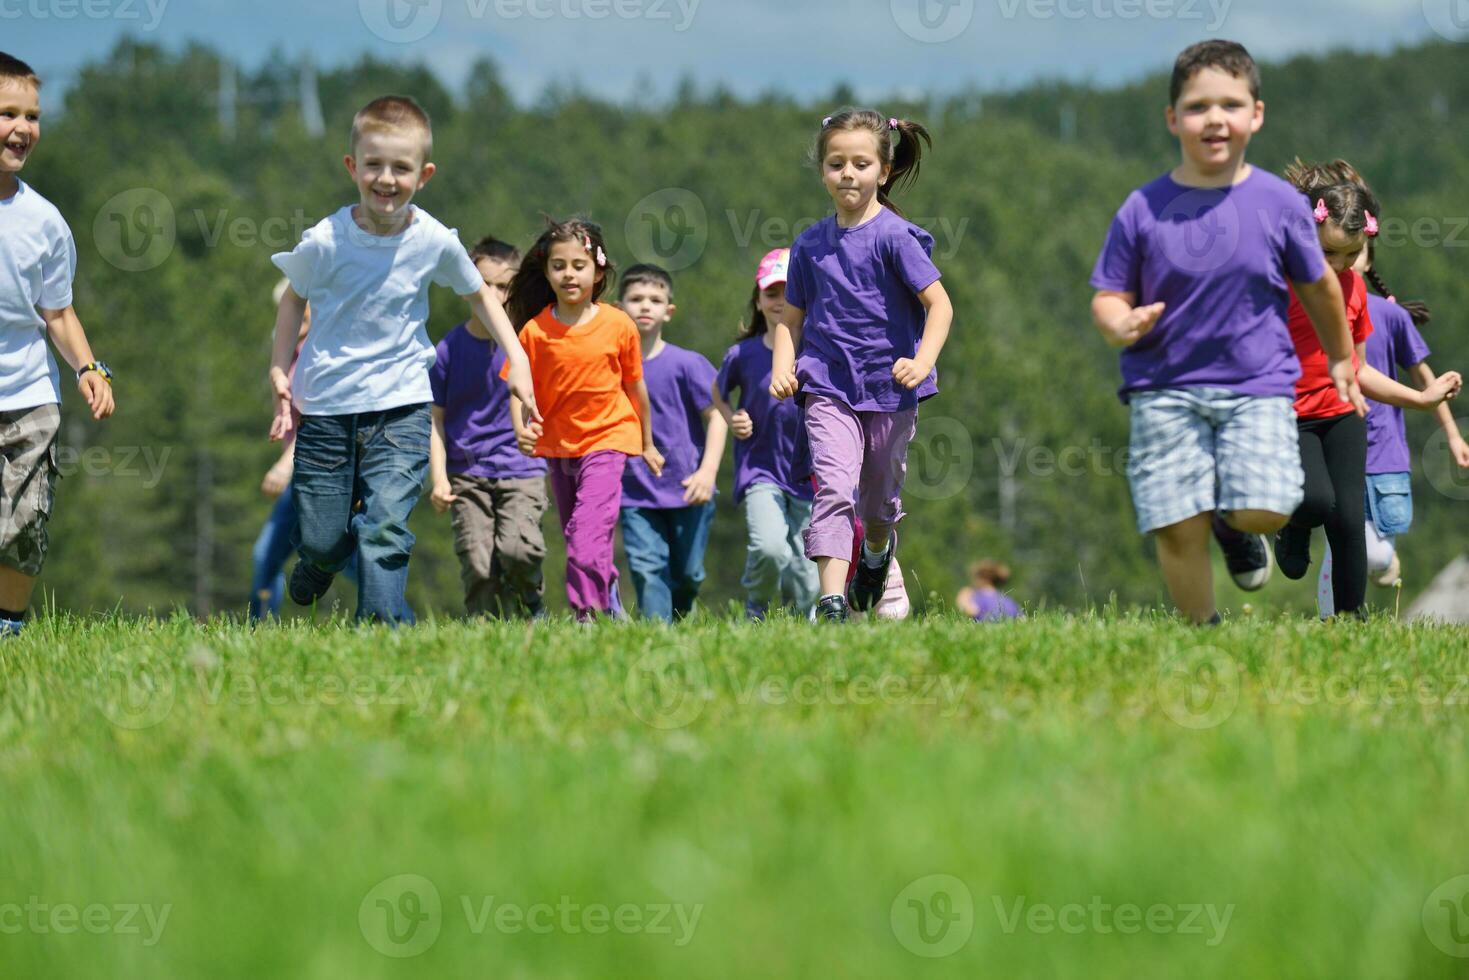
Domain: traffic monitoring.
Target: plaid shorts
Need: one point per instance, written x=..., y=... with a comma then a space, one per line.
x=27, y=485
x=1195, y=450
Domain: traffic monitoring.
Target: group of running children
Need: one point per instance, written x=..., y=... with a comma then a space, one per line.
x=1237, y=298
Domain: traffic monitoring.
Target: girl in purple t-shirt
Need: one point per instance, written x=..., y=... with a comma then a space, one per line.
x=864, y=321
x=983, y=600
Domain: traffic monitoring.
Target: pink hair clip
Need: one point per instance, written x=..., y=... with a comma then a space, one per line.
x=892, y=122
x=601, y=257
x=1371, y=229
x=1321, y=214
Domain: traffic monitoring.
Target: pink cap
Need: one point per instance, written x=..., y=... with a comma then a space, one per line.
x=773, y=267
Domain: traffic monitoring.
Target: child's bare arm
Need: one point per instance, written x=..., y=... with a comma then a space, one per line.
x=1379, y=387
x=441, y=495
x=70, y=340
x=278, y=477
x=1118, y=321
x=288, y=317
x=911, y=371
x=786, y=342
x=1323, y=302
x=699, y=486
x=491, y=322
x=1458, y=447
x=739, y=422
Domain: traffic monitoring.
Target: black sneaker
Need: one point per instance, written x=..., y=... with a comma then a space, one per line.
x=867, y=586
x=1293, y=551
x=1247, y=556
x=308, y=583
x=831, y=609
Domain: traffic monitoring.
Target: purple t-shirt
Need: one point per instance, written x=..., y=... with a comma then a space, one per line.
x=778, y=452
x=989, y=607
x=1220, y=259
x=680, y=382
x=859, y=289
x=479, y=439
x=1395, y=342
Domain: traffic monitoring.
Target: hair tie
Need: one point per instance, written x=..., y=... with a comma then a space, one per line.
x=1321, y=214
x=826, y=122
x=1371, y=229
x=892, y=122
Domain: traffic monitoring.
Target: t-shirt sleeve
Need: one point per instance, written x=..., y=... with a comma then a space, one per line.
x=305, y=265
x=58, y=270
x=455, y=269
x=699, y=376
x=1304, y=260
x=438, y=373
x=630, y=354
x=798, y=276
x=1357, y=310
x=911, y=249
x=728, y=375
x=1119, y=265
x=1413, y=349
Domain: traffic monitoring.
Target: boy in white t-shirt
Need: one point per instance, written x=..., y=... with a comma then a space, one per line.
x=361, y=385
x=37, y=265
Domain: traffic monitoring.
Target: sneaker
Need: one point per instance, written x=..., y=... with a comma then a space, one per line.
x=832, y=609
x=308, y=583
x=11, y=627
x=1393, y=575
x=1247, y=556
x=894, y=603
x=868, y=584
x=1293, y=551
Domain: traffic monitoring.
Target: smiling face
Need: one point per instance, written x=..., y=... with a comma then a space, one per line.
x=852, y=169
x=1214, y=118
x=649, y=305
x=571, y=273
x=388, y=168
x=20, y=125
x=1342, y=250
x=772, y=302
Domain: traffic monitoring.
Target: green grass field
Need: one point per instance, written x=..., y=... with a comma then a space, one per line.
x=1063, y=797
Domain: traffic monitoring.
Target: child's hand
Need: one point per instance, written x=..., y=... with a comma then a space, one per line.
x=522, y=388
x=654, y=459
x=282, y=423
x=441, y=496
x=910, y=373
x=1459, y=449
x=1445, y=386
x=783, y=384
x=1133, y=327
x=98, y=393
x=277, y=478
x=698, y=487
x=528, y=435
x=1345, y=379
x=741, y=424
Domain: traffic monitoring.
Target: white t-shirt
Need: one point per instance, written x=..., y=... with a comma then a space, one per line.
x=368, y=348
x=38, y=260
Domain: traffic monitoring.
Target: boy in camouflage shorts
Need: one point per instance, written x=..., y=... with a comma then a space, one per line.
x=37, y=265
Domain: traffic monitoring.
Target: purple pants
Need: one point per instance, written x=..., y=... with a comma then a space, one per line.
x=859, y=459
x=588, y=491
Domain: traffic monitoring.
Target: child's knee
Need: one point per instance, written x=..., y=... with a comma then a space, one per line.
x=1256, y=521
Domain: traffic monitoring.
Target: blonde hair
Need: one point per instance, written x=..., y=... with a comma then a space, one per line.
x=393, y=114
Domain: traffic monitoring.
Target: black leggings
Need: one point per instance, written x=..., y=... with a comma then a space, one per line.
x=1334, y=455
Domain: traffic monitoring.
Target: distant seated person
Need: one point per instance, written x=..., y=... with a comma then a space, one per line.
x=983, y=599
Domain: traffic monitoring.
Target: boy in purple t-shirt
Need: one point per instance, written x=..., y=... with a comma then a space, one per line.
x=666, y=518
x=497, y=494
x=1193, y=283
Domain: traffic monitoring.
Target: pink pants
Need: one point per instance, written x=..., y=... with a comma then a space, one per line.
x=859, y=461
x=588, y=492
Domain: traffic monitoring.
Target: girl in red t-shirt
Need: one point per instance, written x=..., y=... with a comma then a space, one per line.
x=1333, y=434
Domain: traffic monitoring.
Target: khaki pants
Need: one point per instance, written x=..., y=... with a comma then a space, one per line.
x=498, y=538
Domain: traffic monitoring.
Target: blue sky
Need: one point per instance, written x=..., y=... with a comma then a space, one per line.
x=800, y=46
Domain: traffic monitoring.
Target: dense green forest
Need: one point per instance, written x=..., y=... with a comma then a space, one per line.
x=176, y=212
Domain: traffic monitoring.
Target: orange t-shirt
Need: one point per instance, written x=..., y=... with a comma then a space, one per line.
x=578, y=373
x=1316, y=396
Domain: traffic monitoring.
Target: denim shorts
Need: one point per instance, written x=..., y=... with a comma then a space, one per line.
x=1195, y=450
x=1390, y=502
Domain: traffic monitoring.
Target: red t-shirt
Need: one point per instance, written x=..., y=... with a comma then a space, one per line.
x=1315, y=394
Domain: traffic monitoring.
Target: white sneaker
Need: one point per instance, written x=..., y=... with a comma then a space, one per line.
x=894, y=602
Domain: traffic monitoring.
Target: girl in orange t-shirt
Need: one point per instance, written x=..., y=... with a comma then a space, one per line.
x=587, y=368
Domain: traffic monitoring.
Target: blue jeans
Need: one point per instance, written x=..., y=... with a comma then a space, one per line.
x=380, y=459
x=665, y=553
x=776, y=567
x=280, y=536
